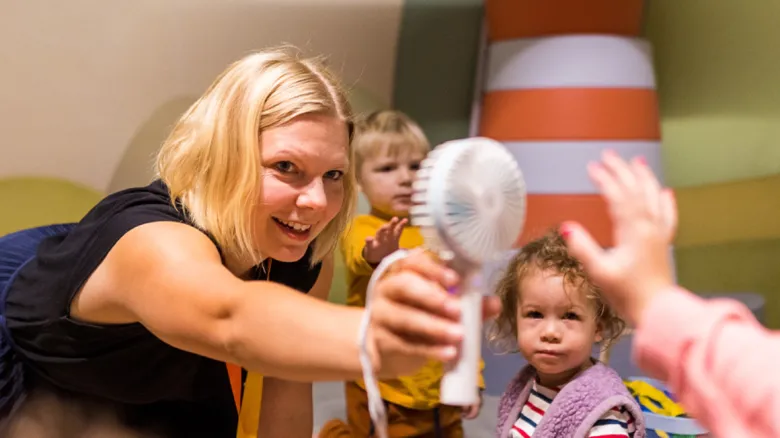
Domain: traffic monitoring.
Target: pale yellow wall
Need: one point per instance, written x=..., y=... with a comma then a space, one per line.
x=88, y=88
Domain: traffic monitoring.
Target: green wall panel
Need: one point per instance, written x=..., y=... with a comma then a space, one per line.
x=436, y=64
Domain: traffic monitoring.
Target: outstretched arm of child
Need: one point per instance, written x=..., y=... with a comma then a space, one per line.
x=713, y=354
x=716, y=356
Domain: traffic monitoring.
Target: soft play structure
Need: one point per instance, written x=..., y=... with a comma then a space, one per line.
x=560, y=85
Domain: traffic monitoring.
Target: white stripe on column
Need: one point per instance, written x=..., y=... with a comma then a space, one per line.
x=570, y=61
x=559, y=167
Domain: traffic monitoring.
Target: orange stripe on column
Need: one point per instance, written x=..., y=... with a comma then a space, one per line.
x=546, y=211
x=508, y=19
x=571, y=114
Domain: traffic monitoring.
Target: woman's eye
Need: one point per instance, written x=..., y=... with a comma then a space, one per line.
x=284, y=167
x=334, y=175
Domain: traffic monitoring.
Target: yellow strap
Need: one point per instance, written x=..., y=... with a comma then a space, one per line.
x=249, y=415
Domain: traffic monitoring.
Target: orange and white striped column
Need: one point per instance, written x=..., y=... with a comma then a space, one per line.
x=562, y=81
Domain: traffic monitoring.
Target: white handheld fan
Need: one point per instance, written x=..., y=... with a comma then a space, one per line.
x=470, y=206
x=469, y=202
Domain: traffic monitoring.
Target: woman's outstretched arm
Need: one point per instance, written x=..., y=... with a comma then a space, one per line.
x=288, y=406
x=169, y=277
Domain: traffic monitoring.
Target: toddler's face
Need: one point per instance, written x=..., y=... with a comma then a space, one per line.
x=556, y=327
x=386, y=180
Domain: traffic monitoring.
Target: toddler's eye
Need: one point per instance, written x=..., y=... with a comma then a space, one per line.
x=533, y=314
x=571, y=315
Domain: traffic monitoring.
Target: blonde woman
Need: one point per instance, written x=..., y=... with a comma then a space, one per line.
x=140, y=304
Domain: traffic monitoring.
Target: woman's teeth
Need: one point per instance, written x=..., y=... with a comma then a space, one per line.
x=294, y=225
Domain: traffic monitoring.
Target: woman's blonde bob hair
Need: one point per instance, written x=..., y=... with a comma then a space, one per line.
x=211, y=159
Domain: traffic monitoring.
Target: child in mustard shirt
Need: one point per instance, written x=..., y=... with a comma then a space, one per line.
x=388, y=148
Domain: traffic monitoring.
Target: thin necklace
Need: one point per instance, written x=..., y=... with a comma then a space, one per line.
x=267, y=271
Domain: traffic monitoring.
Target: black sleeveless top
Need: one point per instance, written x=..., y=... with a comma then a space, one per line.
x=154, y=387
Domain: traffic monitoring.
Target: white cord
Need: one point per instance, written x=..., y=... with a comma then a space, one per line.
x=376, y=407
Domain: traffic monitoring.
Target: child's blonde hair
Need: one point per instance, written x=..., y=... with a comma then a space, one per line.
x=548, y=253
x=211, y=159
x=387, y=131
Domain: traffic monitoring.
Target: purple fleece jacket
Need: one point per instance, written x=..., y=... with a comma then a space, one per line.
x=575, y=409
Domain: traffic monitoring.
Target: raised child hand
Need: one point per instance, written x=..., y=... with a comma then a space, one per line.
x=385, y=242
x=644, y=218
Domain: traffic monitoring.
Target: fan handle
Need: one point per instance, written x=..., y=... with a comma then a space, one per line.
x=459, y=385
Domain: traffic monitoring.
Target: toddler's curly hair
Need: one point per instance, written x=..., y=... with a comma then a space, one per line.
x=548, y=253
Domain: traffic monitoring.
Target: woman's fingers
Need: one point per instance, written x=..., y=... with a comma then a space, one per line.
x=424, y=264
x=414, y=290
x=423, y=333
x=400, y=346
x=419, y=326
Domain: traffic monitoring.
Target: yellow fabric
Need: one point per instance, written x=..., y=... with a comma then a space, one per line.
x=653, y=399
x=418, y=391
x=249, y=415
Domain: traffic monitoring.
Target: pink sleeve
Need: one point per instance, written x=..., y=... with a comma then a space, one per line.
x=721, y=363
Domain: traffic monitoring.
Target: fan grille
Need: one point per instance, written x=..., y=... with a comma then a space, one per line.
x=470, y=199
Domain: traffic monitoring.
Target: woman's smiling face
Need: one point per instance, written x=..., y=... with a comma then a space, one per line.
x=302, y=187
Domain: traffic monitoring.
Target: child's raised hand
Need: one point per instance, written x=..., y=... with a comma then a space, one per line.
x=644, y=217
x=385, y=241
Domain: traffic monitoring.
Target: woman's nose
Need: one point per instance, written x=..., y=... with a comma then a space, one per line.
x=313, y=196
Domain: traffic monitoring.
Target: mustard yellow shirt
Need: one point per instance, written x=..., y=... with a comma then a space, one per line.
x=418, y=391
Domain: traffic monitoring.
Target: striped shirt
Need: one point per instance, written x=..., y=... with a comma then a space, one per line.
x=615, y=423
